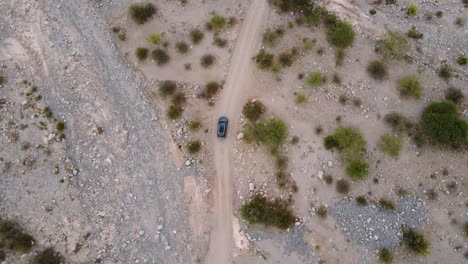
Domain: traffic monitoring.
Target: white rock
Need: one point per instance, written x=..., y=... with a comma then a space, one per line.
x=330, y=163
x=188, y=163
x=251, y=187
x=240, y=135
x=320, y=174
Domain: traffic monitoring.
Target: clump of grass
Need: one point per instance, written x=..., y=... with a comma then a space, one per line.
x=154, y=39
x=294, y=140
x=315, y=79
x=270, y=37
x=211, y=88
x=377, y=70
x=13, y=237
x=415, y=241
x=339, y=57
x=174, y=111
x=461, y=60
x=322, y=212
x=414, y=33
x=141, y=53
x=264, y=59
x=179, y=99
x=286, y=59
x=301, y=98
x=194, y=125
x=141, y=13
x=60, y=126
x=220, y=42
x=387, y=204
x=196, y=36
x=372, y=11
x=218, y=21
x=269, y=213
x=340, y=34
x=409, y=86
x=276, y=69
x=308, y=44
x=48, y=256
x=441, y=123
x=393, y=46
x=182, y=47
x=397, y=122
x=328, y=179
x=2, y=79
x=391, y=145
x=342, y=186
x=160, y=56
x=455, y=95
x=361, y=200
x=385, y=256
x=412, y=10
x=439, y=14
x=343, y=99
x=357, y=169
x=445, y=71
x=271, y=132
x=167, y=88
x=460, y=21
x=122, y=36
x=348, y=141
x=193, y=147
x=253, y=110
x=207, y=60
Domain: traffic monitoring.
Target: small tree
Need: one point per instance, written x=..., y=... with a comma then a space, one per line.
x=340, y=34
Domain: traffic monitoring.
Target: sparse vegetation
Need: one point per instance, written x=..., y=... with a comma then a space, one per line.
x=328, y=179
x=141, y=13
x=377, y=70
x=348, y=141
x=342, y=186
x=141, y=53
x=154, y=39
x=211, y=88
x=414, y=33
x=461, y=60
x=385, y=256
x=415, y=241
x=270, y=37
x=361, y=200
x=315, y=79
x=218, y=21
x=442, y=124
x=393, y=46
x=271, y=132
x=220, y=42
x=445, y=71
x=253, y=110
x=194, y=125
x=167, y=88
x=387, y=204
x=196, y=36
x=339, y=57
x=122, y=36
x=397, y=122
x=174, y=111
x=455, y=95
x=301, y=98
x=193, y=147
x=340, y=34
x=409, y=86
x=182, y=47
x=269, y=213
x=286, y=59
x=13, y=238
x=460, y=21
x=322, y=211
x=207, y=60
x=48, y=256
x=391, y=145
x=160, y=56
x=264, y=60
x=412, y=10
x=2, y=79
x=60, y=126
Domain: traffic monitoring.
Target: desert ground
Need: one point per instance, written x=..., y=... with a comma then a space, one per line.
x=108, y=127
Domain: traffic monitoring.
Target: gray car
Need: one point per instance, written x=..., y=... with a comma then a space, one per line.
x=222, y=127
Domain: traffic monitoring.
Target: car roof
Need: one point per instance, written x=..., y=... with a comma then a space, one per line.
x=223, y=118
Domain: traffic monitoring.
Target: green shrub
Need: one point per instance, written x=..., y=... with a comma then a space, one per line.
x=270, y=37
x=397, y=122
x=196, y=36
x=308, y=44
x=48, y=256
x=385, y=256
x=415, y=241
x=409, y=86
x=301, y=98
x=220, y=42
x=295, y=140
x=377, y=70
x=276, y=69
x=361, y=200
x=264, y=60
x=211, y=88
x=253, y=110
x=391, y=145
x=439, y=14
x=322, y=211
x=387, y=204
x=460, y=21
x=455, y=95
x=218, y=21
x=154, y=39
x=286, y=59
x=207, y=60
x=372, y=11
x=328, y=179
x=174, y=111
x=462, y=60
x=348, y=141
x=342, y=186
x=122, y=36
x=414, y=33
x=393, y=46
x=412, y=10
x=272, y=132
x=167, y=88
x=193, y=147
x=12, y=237
x=141, y=13
x=340, y=34
x=445, y=71
x=357, y=170
x=182, y=47
x=269, y=213
x=293, y=5
x=442, y=123
x=179, y=99
x=194, y=125
x=160, y=56
x=315, y=79
x=60, y=126
x=141, y=53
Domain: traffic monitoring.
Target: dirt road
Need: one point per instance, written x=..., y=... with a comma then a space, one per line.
x=230, y=104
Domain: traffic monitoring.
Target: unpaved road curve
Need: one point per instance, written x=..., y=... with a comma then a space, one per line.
x=238, y=81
